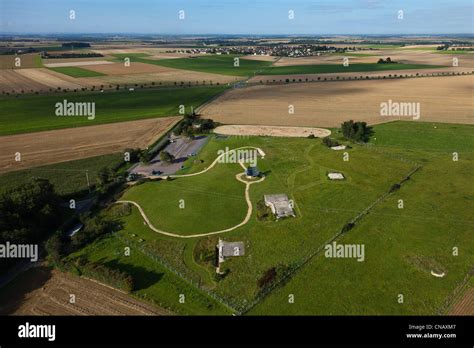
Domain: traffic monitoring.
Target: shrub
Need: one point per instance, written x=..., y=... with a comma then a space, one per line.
x=330, y=142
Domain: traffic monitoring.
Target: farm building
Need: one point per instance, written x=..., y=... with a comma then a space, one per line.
x=280, y=205
x=335, y=176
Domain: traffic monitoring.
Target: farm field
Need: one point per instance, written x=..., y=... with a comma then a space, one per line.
x=57, y=62
x=401, y=56
x=61, y=145
x=415, y=240
x=68, y=178
x=328, y=104
x=42, y=291
x=293, y=166
x=380, y=75
x=121, y=69
x=37, y=113
x=217, y=64
x=74, y=71
x=30, y=60
x=339, y=68
x=465, y=304
x=168, y=77
x=34, y=80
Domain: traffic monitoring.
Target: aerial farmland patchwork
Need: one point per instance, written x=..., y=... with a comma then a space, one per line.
x=237, y=173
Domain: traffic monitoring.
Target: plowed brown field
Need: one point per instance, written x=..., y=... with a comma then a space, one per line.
x=45, y=292
x=62, y=145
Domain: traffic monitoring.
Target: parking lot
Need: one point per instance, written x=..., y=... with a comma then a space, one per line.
x=181, y=148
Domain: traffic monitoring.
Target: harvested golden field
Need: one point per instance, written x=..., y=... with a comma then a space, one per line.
x=62, y=145
x=30, y=60
x=73, y=60
x=42, y=291
x=12, y=80
x=465, y=305
x=168, y=76
x=260, y=57
x=77, y=63
x=121, y=69
x=401, y=56
x=327, y=104
x=354, y=75
x=38, y=80
x=323, y=59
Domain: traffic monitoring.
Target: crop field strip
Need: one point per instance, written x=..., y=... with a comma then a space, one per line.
x=37, y=113
x=74, y=71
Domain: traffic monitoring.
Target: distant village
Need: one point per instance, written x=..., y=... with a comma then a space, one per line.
x=273, y=50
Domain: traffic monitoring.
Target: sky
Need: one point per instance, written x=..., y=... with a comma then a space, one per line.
x=264, y=17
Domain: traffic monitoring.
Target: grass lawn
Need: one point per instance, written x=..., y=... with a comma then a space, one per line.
x=400, y=244
x=431, y=137
x=339, y=68
x=37, y=113
x=68, y=178
x=198, y=198
x=77, y=72
x=216, y=64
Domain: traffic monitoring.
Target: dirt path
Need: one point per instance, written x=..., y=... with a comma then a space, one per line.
x=238, y=177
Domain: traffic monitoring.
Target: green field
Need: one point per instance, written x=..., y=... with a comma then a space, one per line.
x=74, y=71
x=37, y=113
x=68, y=178
x=402, y=245
x=130, y=55
x=399, y=243
x=216, y=64
x=339, y=68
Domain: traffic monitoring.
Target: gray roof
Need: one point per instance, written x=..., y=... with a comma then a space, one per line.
x=280, y=205
x=233, y=249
